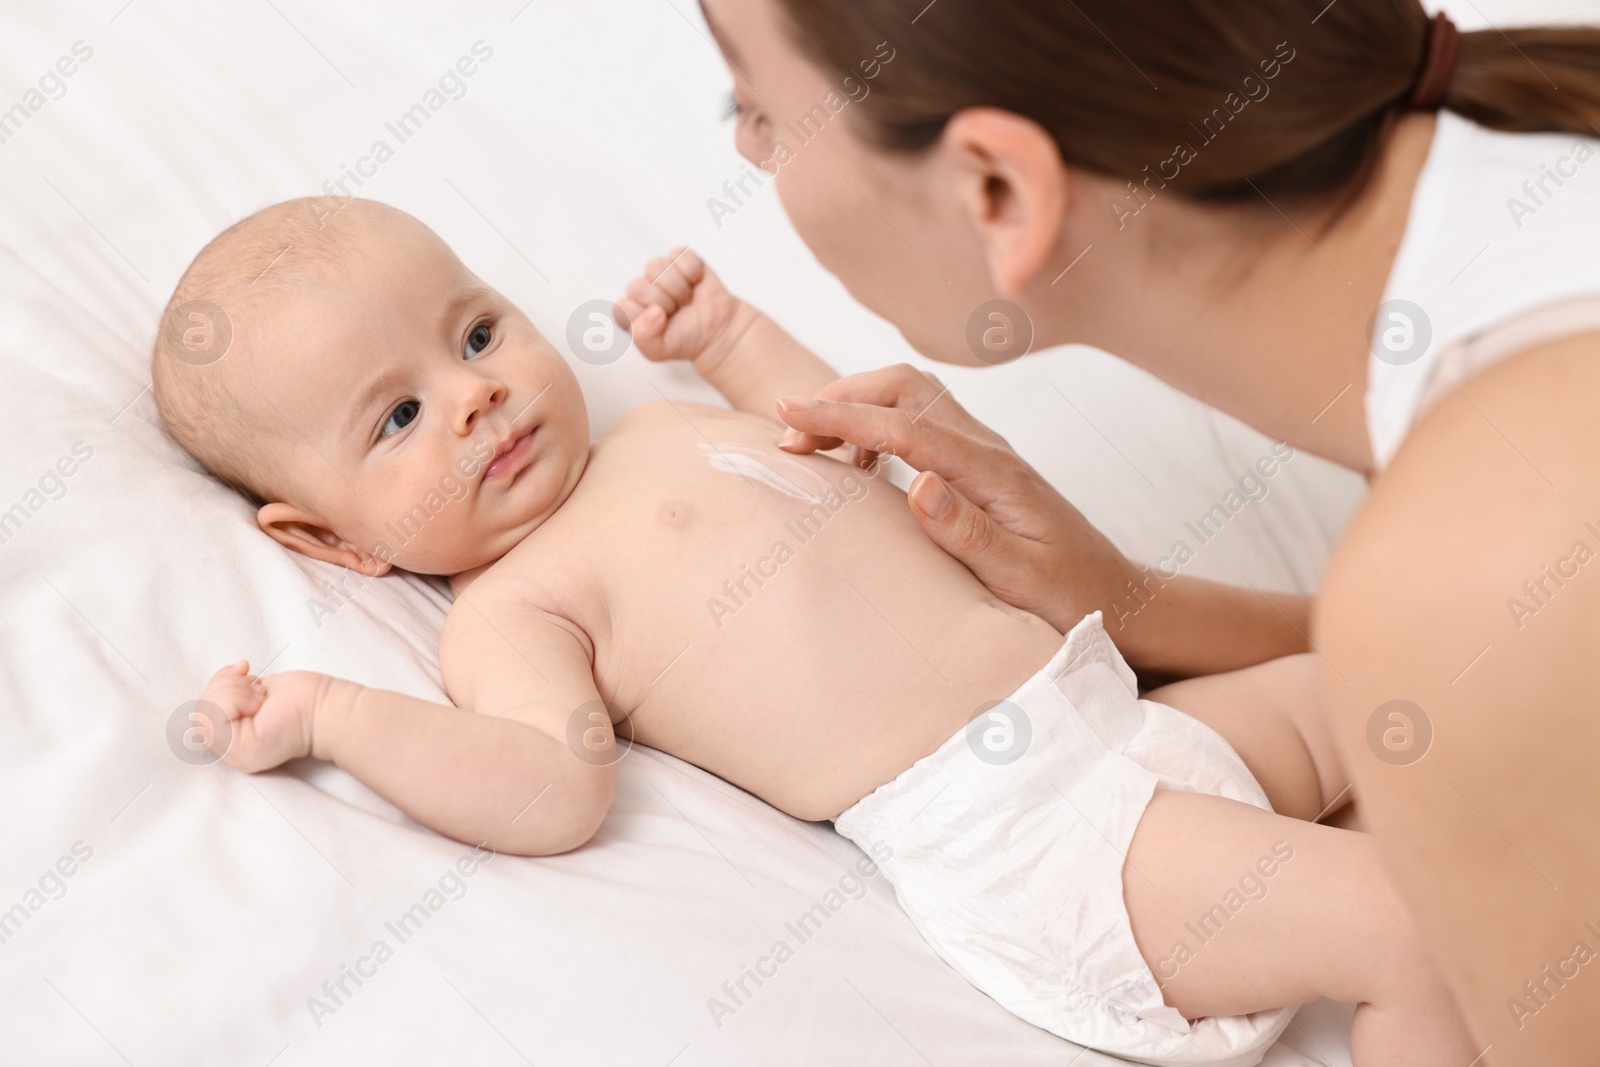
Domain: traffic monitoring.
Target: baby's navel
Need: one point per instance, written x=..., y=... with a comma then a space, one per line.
x=774, y=471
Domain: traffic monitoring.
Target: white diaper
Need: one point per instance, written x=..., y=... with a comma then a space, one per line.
x=1008, y=851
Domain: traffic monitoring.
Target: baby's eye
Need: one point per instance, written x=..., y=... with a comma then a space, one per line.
x=478, y=339
x=403, y=415
x=731, y=108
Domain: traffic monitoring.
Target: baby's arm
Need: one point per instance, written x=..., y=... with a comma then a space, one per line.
x=679, y=310
x=496, y=769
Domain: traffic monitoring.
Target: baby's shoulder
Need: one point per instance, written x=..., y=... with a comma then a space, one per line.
x=502, y=622
x=515, y=585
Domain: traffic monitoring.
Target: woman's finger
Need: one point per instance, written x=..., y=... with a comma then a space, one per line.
x=793, y=440
x=865, y=458
x=901, y=385
x=868, y=425
x=924, y=444
x=965, y=531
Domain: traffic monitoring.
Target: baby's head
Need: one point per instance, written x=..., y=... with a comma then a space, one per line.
x=334, y=360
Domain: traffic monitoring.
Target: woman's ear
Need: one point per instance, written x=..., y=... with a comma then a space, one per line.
x=308, y=535
x=1014, y=189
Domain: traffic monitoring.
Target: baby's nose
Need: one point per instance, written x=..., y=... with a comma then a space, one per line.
x=479, y=399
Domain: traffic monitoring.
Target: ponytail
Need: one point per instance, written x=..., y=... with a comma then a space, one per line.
x=1222, y=101
x=1537, y=79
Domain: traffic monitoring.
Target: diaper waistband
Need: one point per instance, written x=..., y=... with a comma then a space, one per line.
x=1085, y=684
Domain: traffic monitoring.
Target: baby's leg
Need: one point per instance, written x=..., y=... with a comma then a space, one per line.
x=1238, y=910
x=1275, y=716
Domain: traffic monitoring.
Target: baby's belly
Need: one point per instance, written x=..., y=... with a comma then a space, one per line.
x=806, y=650
x=813, y=710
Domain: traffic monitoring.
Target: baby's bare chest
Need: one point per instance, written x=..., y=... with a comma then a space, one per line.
x=684, y=506
x=752, y=611
x=690, y=523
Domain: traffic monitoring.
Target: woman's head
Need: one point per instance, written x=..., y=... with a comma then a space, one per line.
x=985, y=145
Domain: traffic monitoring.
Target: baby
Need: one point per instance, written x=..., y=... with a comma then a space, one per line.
x=1106, y=867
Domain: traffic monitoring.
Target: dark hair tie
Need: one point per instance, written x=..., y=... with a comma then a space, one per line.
x=1444, y=42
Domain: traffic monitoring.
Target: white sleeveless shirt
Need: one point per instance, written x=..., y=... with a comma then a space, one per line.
x=1501, y=253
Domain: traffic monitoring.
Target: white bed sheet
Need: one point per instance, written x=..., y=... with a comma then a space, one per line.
x=205, y=908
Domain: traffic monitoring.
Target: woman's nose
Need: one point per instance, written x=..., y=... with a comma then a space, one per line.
x=479, y=396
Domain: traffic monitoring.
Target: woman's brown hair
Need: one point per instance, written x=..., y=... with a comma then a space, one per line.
x=1286, y=99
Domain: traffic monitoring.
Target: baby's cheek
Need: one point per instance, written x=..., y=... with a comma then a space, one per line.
x=394, y=528
x=427, y=540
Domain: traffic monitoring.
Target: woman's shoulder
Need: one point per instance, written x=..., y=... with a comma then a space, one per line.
x=1499, y=221
x=1497, y=257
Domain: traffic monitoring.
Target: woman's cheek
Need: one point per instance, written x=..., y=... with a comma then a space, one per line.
x=839, y=227
x=752, y=144
x=853, y=242
x=868, y=226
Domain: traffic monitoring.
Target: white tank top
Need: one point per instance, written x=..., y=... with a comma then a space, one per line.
x=1501, y=253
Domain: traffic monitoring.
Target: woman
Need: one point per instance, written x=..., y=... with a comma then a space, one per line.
x=1287, y=213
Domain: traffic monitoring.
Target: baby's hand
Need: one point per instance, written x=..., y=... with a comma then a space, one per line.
x=679, y=309
x=269, y=720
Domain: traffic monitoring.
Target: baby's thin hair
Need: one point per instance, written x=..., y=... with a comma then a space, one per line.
x=212, y=330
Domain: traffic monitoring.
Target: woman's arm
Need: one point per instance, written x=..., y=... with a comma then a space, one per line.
x=982, y=503
x=1193, y=626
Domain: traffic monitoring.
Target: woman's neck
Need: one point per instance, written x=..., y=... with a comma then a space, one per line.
x=1260, y=310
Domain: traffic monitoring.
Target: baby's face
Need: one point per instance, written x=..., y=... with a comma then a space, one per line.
x=428, y=423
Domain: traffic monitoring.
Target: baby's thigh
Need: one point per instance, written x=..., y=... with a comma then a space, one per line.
x=1275, y=715
x=1237, y=910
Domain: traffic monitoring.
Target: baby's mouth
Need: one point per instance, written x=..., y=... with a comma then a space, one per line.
x=511, y=457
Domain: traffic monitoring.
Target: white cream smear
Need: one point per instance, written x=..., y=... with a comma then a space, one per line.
x=786, y=475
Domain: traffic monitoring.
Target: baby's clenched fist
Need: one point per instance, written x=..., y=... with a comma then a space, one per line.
x=269, y=720
x=678, y=309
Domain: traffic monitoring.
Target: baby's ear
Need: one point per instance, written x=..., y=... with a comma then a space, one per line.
x=305, y=533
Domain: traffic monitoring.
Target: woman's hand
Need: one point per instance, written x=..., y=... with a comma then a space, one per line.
x=980, y=502
x=976, y=498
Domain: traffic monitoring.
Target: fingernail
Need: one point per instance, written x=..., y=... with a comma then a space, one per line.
x=931, y=496
x=804, y=403
x=790, y=437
